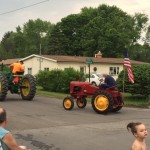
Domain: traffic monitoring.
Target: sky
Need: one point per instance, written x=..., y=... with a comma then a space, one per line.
x=15, y=13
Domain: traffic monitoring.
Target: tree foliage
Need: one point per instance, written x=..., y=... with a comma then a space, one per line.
x=106, y=28
x=26, y=41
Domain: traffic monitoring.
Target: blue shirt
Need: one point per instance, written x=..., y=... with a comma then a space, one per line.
x=3, y=132
x=110, y=81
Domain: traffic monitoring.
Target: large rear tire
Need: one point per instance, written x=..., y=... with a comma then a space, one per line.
x=117, y=108
x=102, y=102
x=28, y=87
x=3, y=87
x=120, y=102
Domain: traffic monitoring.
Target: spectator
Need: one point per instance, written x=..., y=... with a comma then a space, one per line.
x=7, y=141
x=140, y=133
x=108, y=81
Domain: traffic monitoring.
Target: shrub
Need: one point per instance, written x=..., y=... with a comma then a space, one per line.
x=141, y=79
x=71, y=75
x=58, y=80
x=50, y=80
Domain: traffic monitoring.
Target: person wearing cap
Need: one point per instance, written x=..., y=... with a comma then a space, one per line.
x=109, y=82
x=7, y=141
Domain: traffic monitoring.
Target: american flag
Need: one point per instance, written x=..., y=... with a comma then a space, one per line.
x=128, y=65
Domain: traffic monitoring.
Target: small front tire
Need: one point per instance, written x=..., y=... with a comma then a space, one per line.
x=81, y=102
x=68, y=103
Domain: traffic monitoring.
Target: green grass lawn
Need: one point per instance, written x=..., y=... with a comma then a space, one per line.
x=129, y=100
x=136, y=101
x=51, y=94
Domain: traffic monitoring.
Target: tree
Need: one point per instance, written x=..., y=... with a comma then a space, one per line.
x=33, y=31
x=107, y=29
x=26, y=41
x=111, y=30
x=8, y=45
x=67, y=35
x=55, y=41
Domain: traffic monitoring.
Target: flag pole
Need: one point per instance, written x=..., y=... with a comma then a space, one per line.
x=123, y=81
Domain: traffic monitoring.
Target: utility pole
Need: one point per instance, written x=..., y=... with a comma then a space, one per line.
x=40, y=60
x=42, y=34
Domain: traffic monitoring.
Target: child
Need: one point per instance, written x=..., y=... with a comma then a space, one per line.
x=139, y=131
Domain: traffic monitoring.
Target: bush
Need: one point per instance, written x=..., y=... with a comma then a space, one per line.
x=141, y=79
x=58, y=80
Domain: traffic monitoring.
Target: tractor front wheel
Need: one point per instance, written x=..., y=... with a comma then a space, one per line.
x=81, y=102
x=3, y=87
x=102, y=102
x=28, y=87
x=68, y=103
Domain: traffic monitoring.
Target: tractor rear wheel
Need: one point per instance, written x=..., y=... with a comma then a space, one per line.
x=68, y=103
x=102, y=102
x=28, y=87
x=3, y=87
x=81, y=102
x=120, y=102
x=117, y=108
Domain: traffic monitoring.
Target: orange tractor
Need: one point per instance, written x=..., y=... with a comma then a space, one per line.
x=103, y=100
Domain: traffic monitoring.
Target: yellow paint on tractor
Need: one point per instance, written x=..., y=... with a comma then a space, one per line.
x=25, y=91
x=67, y=103
x=101, y=102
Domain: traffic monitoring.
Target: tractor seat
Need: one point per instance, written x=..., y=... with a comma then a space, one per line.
x=19, y=72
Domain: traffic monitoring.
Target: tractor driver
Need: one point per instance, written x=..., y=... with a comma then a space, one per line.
x=108, y=81
x=17, y=67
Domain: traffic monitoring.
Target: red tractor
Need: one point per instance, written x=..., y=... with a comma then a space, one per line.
x=103, y=100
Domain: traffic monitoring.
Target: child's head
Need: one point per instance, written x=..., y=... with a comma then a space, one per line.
x=138, y=129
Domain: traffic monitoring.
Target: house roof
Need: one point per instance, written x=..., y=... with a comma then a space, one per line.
x=77, y=59
x=9, y=61
x=81, y=59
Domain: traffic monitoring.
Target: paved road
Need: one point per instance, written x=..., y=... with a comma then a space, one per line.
x=43, y=124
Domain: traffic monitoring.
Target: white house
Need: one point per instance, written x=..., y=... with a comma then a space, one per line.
x=34, y=63
x=113, y=66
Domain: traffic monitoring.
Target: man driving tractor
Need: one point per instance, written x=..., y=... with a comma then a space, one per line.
x=17, y=69
x=108, y=81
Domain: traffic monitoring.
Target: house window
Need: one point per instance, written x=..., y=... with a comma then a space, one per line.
x=82, y=69
x=114, y=71
x=46, y=69
x=29, y=70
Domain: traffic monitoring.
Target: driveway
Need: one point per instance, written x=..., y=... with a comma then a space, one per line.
x=43, y=124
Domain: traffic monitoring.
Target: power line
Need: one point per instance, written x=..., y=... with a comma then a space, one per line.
x=23, y=7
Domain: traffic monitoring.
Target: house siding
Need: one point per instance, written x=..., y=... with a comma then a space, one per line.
x=50, y=62
x=34, y=63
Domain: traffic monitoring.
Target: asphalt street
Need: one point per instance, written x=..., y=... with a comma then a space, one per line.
x=43, y=124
